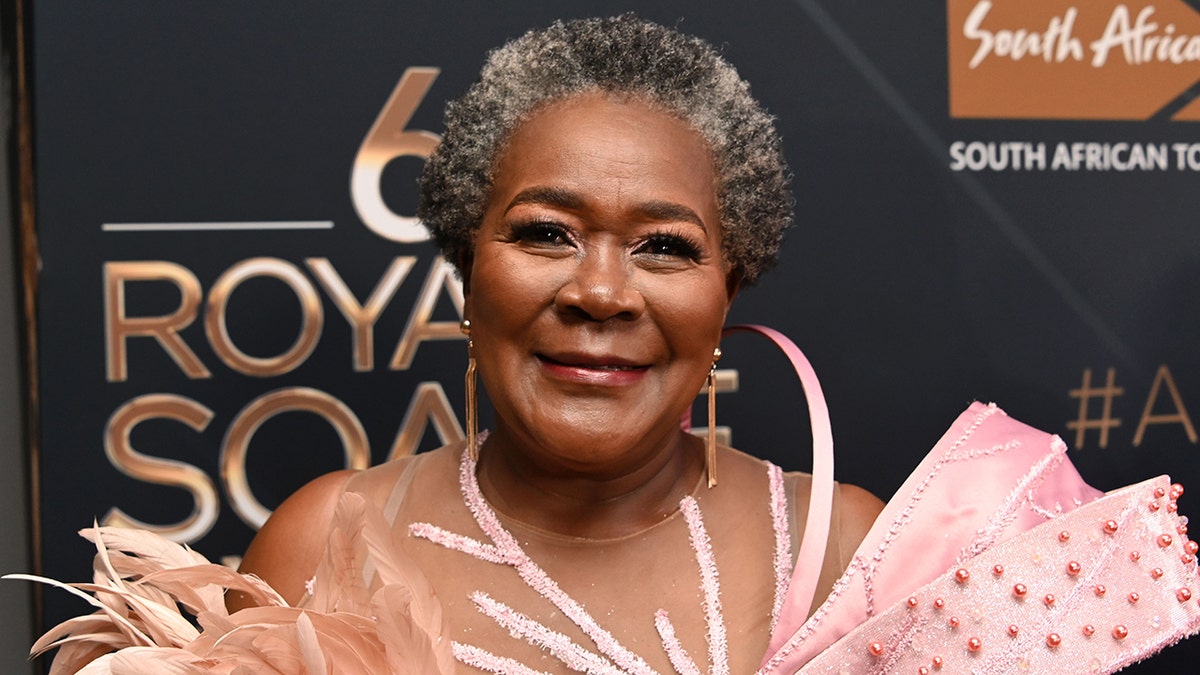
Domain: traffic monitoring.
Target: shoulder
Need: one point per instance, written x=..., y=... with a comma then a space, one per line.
x=403, y=475
x=301, y=513
x=854, y=513
x=287, y=549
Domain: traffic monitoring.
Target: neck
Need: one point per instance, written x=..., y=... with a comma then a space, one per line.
x=592, y=505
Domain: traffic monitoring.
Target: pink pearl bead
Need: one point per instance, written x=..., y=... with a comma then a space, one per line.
x=998, y=569
x=1183, y=594
x=1134, y=596
x=1172, y=507
x=1064, y=536
x=1187, y=558
x=938, y=662
x=1073, y=568
x=1089, y=630
x=1120, y=632
x=912, y=601
x=953, y=622
x=1159, y=492
x=1156, y=573
x=1182, y=529
x=1020, y=590
x=938, y=603
x=923, y=670
x=875, y=649
x=961, y=575
x=1154, y=505
x=1135, y=556
x=1191, y=547
x=1164, y=540
x=1013, y=630
x=1053, y=640
x=1049, y=600
x=1110, y=526
x=974, y=644
x=1176, y=490
x=1100, y=590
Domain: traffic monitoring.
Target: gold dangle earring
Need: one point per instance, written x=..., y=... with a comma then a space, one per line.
x=711, y=448
x=472, y=401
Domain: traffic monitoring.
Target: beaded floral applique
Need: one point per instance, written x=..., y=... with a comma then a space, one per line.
x=610, y=656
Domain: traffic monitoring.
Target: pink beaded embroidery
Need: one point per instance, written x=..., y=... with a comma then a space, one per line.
x=613, y=658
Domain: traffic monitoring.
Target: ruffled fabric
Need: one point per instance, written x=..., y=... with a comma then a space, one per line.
x=996, y=557
x=988, y=479
x=1092, y=591
x=144, y=588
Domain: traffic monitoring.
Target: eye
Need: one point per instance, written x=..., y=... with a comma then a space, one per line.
x=667, y=245
x=540, y=233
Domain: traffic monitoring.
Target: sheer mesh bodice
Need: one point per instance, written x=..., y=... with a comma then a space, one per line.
x=625, y=585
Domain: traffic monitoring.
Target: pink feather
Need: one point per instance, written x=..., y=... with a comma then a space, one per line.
x=140, y=582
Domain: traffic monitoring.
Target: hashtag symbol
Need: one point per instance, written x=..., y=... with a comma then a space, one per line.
x=1085, y=393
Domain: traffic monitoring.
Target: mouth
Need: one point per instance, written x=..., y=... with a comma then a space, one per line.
x=610, y=363
x=592, y=369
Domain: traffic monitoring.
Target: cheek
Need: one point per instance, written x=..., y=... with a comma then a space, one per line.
x=691, y=316
x=508, y=298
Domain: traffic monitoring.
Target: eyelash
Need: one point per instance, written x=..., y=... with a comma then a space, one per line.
x=537, y=232
x=680, y=245
x=676, y=244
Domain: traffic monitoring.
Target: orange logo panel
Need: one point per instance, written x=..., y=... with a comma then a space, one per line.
x=1087, y=59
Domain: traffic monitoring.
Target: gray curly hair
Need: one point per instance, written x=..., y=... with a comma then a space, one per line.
x=627, y=55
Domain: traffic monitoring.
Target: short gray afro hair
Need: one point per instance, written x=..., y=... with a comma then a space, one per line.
x=628, y=56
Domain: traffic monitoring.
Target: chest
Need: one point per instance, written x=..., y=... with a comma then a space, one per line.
x=555, y=604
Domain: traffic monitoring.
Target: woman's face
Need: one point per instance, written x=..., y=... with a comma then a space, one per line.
x=598, y=289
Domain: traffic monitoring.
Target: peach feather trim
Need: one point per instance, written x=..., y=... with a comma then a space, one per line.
x=141, y=581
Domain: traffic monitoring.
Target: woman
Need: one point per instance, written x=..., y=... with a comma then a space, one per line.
x=604, y=190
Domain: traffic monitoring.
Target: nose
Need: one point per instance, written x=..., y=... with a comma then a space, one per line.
x=599, y=288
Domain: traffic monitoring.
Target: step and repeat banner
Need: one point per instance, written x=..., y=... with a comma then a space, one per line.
x=996, y=200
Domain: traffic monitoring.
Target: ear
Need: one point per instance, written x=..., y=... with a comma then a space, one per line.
x=463, y=263
x=733, y=284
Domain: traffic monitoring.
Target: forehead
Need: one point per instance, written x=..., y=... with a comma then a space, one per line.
x=597, y=139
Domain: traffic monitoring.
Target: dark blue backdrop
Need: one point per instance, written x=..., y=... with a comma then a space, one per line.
x=913, y=288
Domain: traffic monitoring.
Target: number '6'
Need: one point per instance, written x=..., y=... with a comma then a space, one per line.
x=387, y=140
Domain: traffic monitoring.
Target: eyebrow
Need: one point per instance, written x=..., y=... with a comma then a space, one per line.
x=547, y=196
x=655, y=209
x=671, y=212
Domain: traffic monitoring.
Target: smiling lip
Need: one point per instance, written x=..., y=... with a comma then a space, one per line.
x=597, y=370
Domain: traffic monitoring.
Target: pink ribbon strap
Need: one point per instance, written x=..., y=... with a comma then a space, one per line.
x=803, y=585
